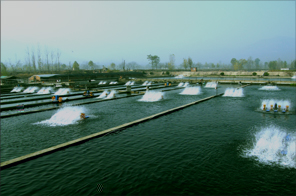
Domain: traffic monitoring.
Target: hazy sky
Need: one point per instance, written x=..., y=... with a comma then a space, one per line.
x=110, y=31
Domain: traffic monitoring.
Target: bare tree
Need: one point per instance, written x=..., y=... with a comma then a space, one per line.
x=52, y=58
x=58, y=58
x=33, y=59
x=39, y=58
x=28, y=58
x=46, y=56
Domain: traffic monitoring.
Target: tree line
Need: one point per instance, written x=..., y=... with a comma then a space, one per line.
x=49, y=61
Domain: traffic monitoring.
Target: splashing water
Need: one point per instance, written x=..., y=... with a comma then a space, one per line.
x=27, y=89
x=234, y=92
x=145, y=83
x=111, y=94
x=113, y=82
x=195, y=90
x=272, y=145
x=151, y=96
x=128, y=83
x=269, y=88
x=63, y=91
x=34, y=89
x=186, y=84
x=211, y=85
x=104, y=94
x=17, y=89
x=294, y=77
x=282, y=103
x=45, y=90
x=180, y=84
x=179, y=76
x=64, y=116
x=107, y=94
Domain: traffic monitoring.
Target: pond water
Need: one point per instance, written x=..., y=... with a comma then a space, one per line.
x=220, y=146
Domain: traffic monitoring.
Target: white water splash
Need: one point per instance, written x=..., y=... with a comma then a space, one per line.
x=181, y=84
x=63, y=91
x=282, y=103
x=211, y=85
x=269, y=88
x=186, y=84
x=151, y=96
x=194, y=90
x=113, y=82
x=17, y=89
x=108, y=94
x=45, y=90
x=179, y=76
x=111, y=94
x=233, y=92
x=270, y=143
x=145, y=83
x=128, y=83
x=294, y=77
x=65, y=116
x=33, y=89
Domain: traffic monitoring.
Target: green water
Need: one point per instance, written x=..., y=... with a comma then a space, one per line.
x=200, y=150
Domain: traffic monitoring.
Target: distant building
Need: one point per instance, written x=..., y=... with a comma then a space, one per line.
x=43, y=77
x=193, y=69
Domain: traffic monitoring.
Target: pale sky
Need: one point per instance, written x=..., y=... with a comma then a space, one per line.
x=112, y=31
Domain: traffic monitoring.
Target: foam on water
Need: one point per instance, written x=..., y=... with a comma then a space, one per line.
x=63, y=91
x=17, y=89
x=233, y=92
x=269, y=88
x=179, y=76
x=180, y=84
x=282, y=103
x=269, y=144
x=111, y=95
x=211, y=85
x=108, y=94
x=186, y=84
x=151, y=96
x=27, y=90
x=45, y=90
x=65, y=116
x=33, y=89
x=194, y=90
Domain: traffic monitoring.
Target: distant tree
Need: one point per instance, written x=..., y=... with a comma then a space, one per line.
x=58, y=55
x=33, y=59
x=39, y=61
x=154, y=60
x=75, y=65
x=285, y=64
x=52, y=58
x=257, y=60
x=190, y=63
x=249, y=63
x=272, y=65
x=213, y=65
x=112, y=66
x=233, y=61
x=46, y=52
x=171, y=64
x=3, y=70
x=293, y=64
x=185, y=63
x=63, y=66
x=241, y=63
x=132, y=65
